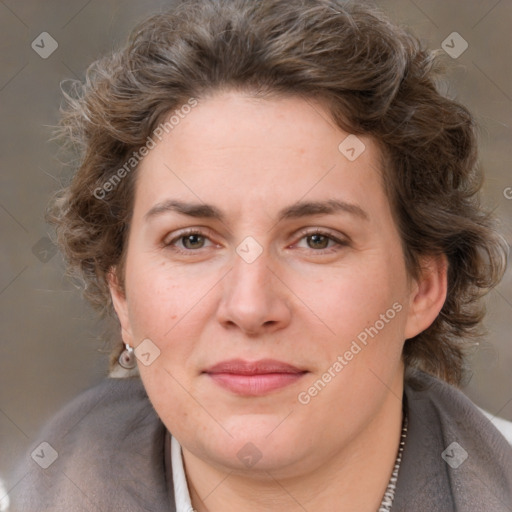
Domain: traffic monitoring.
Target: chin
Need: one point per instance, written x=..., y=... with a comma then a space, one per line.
x=257, y=444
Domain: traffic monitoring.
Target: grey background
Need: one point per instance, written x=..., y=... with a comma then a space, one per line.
x=51, y=346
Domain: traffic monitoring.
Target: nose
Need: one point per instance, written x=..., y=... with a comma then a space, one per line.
x=254, y=298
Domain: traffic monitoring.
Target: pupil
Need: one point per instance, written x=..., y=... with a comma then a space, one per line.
x=315, y=239
x=192, y=239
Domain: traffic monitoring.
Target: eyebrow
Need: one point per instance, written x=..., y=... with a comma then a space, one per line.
x=294, y=211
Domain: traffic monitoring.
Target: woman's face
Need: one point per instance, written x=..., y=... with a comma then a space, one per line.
x=265, y=273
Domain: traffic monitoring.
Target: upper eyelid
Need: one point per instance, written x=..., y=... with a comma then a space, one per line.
x=320, y=231
x=187, y=231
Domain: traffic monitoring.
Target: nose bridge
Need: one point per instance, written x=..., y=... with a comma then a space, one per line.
x=253, y=298
x=251, y=275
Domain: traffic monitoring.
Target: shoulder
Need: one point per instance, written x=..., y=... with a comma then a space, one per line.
x=457, y=416
x=454, y=456
x=103, y=450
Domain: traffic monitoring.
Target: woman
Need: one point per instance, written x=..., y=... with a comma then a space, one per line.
x=282, y=212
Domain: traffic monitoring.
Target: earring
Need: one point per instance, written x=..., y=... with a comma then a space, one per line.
x=127, y=358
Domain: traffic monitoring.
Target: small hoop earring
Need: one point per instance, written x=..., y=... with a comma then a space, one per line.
x=127, y=358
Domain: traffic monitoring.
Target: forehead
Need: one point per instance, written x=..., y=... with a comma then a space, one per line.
x=256, y=151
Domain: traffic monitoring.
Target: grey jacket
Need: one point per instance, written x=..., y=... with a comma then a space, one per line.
x=110, y=446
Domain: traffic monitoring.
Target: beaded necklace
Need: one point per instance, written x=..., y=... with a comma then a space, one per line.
x=389, y=495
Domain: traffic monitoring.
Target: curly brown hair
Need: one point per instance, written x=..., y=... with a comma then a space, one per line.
x=376, y=78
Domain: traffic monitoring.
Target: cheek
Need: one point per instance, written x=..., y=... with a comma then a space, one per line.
x=355, y=297
x=161, y=297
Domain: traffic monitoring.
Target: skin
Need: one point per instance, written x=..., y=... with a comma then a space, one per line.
x=302, y=301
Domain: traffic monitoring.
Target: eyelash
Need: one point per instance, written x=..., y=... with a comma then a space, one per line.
x=189, y=252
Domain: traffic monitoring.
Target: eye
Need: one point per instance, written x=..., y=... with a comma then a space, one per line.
x=190, y=240
x=319, y=241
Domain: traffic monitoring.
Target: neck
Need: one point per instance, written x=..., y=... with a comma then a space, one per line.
x=354, y=478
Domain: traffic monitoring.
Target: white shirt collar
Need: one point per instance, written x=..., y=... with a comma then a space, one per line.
x=181, y=494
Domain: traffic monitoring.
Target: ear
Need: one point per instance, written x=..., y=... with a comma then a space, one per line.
x=120, y=303
x=428, y=294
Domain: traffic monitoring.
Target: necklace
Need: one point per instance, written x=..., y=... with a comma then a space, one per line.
x=389, y=495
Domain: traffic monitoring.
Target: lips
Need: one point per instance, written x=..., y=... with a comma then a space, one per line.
x=254, y=378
